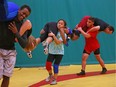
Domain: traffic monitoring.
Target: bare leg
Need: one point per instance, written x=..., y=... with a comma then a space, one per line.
x=38, y=40
x=55, y=75
x=84, y=58
x=5, y=82
x=50, y=72
x=54, y=80
x=101, y=62
x=49, y=40
x=50, y=75
x=26, y=26
x=99, y=59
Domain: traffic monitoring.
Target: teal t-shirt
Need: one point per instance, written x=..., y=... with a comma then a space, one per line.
x=57, y=48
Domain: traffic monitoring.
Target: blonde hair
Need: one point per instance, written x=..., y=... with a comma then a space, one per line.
x=31, y=44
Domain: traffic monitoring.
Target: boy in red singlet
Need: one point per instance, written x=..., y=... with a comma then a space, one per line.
x=91, y=45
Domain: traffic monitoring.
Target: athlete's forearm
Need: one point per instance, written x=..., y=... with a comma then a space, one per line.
x=63, y=36
x=56, y=40
x=96, y=28
x=86, y=35
x=22, y=41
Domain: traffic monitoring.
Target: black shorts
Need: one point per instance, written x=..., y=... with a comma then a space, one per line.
x=49, y=27
x=56, y=58
x=96, y=52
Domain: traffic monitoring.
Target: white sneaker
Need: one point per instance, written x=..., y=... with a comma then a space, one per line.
x=46, y=50
x=48, y=78
x=29, y=54
x=45, y=45
x=54, y=82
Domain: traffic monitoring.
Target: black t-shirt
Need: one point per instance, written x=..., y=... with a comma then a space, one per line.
x=101, y=23
x=7, y=37
x=49, y=27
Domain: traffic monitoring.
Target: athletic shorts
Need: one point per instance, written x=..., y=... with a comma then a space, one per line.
x=49, y=27
x=7, y=62
x=96, y=52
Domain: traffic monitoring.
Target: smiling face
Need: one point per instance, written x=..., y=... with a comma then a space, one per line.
x=23, y=13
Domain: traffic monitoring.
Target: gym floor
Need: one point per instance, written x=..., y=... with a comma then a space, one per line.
x=34, y=77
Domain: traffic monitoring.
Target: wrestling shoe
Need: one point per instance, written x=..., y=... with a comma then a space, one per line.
x=54, y=82
x=48, y=78
x=104, y=70
x=81, y=73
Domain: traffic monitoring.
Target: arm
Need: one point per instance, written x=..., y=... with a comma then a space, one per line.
x=55, y=38
x=62, y=33
x=86, y=35
x=96, y=28
x=67, y=31
x=22, y=40
x=26, y=26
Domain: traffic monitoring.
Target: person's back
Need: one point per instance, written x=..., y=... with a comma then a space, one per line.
x=103, y=25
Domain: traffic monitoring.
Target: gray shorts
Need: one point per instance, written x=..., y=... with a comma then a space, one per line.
x=7, y=62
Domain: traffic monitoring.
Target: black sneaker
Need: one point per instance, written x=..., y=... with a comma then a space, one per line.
x=104, y=70
x=81, y=73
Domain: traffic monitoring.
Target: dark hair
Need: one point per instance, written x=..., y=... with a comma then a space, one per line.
x=111, y=28
x=92, y=19
x=65, y=24
x=26, y=6
x=76, y=32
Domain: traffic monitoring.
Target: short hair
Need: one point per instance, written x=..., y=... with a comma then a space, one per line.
x=25, y=6
x=76, y=32
x=92, y=19
x=111, y=28
x=65, y=24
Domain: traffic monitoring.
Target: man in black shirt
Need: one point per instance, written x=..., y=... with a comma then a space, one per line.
x=7, y=43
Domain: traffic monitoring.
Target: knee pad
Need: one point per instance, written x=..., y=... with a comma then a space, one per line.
x=56, y=68
x=48, y=65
